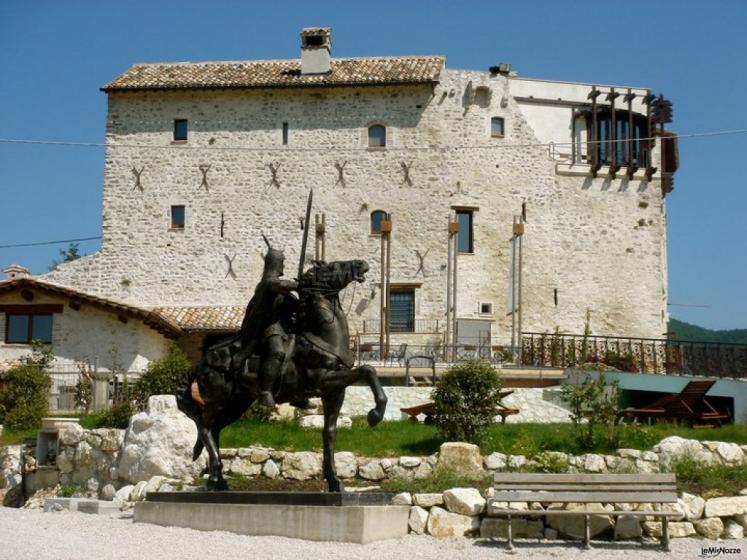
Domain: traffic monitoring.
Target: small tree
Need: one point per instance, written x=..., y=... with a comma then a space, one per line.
x=596, y=402
x=465, y=398
x=162, y=376
x=24, y=391
x=67, y=255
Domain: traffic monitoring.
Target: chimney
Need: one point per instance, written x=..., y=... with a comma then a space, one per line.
x=16, y=271
x=316, y=46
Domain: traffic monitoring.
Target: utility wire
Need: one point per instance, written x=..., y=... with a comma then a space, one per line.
x=359, y=148
x=39, y=243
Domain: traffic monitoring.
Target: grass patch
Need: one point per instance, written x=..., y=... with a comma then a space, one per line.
x=439, y=481
x=710, y=481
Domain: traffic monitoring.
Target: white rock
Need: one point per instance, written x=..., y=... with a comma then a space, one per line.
x=466, y=501
x=726, y=507
x=108, y=492
x=124, y=493
x=244, y=467
x=693, y=505
x=710, y=527
x=730, y=452
x=629, y=453
x=410, y=462
x=387, y=464
x=627, y=527
x=166, y=487
x=316, y=422
x=428, y=500
x=495, y=461
x=462, y=458
x=302, y=465
x=418, y=520
x=442, y=523
x=346, y=464
x=521, y=527
x=138, y=492
x=573, y=525
x=92, y=485
x=402, y=499
x=516, y=461
x=159, y=441
x=674, y=447
x=270, y=469
x=371, y=470
x=742, y=520
x=259, y=455
x=424, y=470
x=733, y=530
x=154, y=484
x=594, y=463
x=70, y=434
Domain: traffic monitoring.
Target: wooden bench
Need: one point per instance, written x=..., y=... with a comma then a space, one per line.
x=429, y=409
x=585, y=489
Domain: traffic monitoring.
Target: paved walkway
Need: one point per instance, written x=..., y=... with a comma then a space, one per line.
x=33, y=535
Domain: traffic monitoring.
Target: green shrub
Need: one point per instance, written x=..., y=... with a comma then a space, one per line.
x=116, y=416
x=524, y=444
x=549, y=463
x=709, y=481
x=24, y=391
x=68, y=490
x=465, y=398
x=162, y=376
x=593, y=403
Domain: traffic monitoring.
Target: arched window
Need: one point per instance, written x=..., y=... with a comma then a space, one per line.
x=377, y=216
x=376, y=136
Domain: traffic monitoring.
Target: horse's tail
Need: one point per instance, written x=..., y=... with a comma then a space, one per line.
x=189, y=406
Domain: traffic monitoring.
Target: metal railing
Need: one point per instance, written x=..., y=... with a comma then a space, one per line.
x=421, y=355
x=649, y=355
x=415, y=326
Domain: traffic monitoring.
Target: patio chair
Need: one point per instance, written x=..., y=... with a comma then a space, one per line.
x=689, y=405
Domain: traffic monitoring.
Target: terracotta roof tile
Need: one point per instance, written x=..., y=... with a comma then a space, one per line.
x=278, y=73
x=213, y=318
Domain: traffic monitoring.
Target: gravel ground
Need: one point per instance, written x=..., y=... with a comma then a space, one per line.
x=34, y=535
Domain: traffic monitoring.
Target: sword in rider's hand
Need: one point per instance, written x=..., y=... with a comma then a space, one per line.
x=306, y=224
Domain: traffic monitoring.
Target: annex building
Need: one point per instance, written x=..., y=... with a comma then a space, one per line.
x=203, y=157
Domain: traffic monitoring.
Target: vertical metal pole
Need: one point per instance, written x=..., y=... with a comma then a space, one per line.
x=519, y=301
x=573, y=135
x=388, y=283
x=324, y=237
x=447, y=342
x=317, y=252
x=454, y=290
x=513, y=294
x=382, y=298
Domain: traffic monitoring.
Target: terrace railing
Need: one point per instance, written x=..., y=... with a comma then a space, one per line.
x=649, y=355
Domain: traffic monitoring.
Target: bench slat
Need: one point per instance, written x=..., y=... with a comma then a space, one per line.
x=588, y=488
x=543, y=512
x=584, y=478
x=586, y=497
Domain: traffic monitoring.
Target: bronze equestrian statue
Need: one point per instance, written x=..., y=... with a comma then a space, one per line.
x=286, y=351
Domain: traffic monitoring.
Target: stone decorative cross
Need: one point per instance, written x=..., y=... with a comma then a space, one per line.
x=137, y=173
x=231, y=271
x=274, y=167
x=340, y=173
x=406, y=170
x=204, y=169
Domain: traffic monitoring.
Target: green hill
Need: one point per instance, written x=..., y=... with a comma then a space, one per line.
x=686, y=331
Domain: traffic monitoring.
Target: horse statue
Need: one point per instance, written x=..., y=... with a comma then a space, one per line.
x=318, y=363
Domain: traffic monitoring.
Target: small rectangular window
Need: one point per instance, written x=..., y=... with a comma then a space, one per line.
x=181, y=129
x=402, y=310
x=486, y=308
x=496, y=127
x=464, y=237
x=23, y=328
x=285, y=134
x=177, y=217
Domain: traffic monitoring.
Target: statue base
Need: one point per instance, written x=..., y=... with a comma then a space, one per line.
x=358, y=517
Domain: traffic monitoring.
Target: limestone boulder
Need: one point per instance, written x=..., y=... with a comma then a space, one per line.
x=244, y=467
x=110, y=439
x=70, y=433
x=371, y=470
x=495, y=461
x=516, y=461
x=629, y=453
x=303, y=465
x=573, y=525
x=442, y=523
x=627, y=527
x=672, y=448
x=594, y=463
x=316, y=422
x=693, y=506
x=726, y=507
x=418, y=520
x=521, y=527
x=710, y=527
x=463, y=458
x=270, y=469
x=107, y=493
x=346, y=464
x=410, y=462
x=732, y=530
x=159, y=441
x=742, y=520
x=154, y=484
x=466, y=501
x=402, y=499
x=428, y=500
x=423, y=470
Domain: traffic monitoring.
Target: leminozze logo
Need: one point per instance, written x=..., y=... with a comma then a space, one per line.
x=713, y=551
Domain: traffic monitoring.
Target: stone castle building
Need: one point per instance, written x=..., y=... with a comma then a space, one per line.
x=202, y=158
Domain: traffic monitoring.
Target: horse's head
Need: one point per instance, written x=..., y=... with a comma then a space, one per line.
x=334, y=276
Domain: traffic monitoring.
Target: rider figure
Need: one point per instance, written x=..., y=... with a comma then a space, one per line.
x=268, y=321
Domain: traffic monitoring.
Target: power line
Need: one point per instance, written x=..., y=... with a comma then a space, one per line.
x=285, y=149
x=39, y=243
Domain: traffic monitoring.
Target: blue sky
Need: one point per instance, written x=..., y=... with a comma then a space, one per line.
x=55, y=55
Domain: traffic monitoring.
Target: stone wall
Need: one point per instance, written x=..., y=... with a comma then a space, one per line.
x=599, y=242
